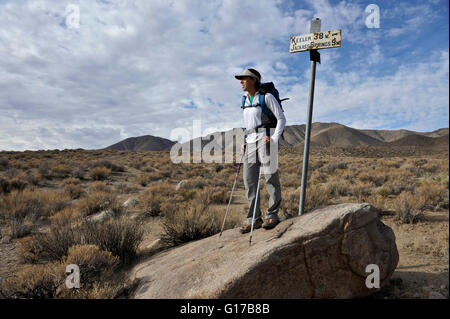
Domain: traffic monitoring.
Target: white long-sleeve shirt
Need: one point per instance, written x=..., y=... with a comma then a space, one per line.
x=252, y=117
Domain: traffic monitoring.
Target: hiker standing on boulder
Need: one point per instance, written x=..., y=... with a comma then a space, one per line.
x=261, y=110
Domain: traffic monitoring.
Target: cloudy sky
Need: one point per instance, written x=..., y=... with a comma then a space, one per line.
x=138, y=67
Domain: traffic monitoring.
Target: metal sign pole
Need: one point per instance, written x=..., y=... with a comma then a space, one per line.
x=312, y=42
x=314, y=57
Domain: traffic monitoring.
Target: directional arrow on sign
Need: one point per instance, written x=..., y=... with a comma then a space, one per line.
x=315, y=41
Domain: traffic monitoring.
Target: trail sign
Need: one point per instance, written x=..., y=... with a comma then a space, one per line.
x=312, y=42
x=315, y=41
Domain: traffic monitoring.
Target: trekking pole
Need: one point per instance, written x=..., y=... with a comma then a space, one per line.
x=231, y=195
x=257, y=196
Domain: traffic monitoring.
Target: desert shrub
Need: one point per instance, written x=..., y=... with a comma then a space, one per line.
x=384, y=191
x=316, y=196
x=11, y=172
x=291, y=181
x=52, y=245
x=431, y=168
x=420, y=162
x=35, y=281
x=95, y=202
x=408, y=208
x=443, y=179
x=218, y=195
x=60, y=171
x=377, y=178
x=72, y=181
x=432, y=194
x=78, y=172
x=142, y=179
x=34, y=178
x=105, y=163
x=153, y=197
x=4, y=163
x=360, y=191
x=166, y=173
x=19, y=228
x=124, y=188
x=145, y=179
x=95, y=264
x=337, y=189
x=33, y=204
x=29, y=250
x=99, y=186
x=99, y=173
x=73, y=191
x=331, y=167
x=44, y=171
x=120, y=236
x=185, y=224
x=290, y=203
x=4, y=185
x=16, y=183
x=318, y=177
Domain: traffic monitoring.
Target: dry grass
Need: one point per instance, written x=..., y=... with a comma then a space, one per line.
x=120, y=236
x=196, y=221
x=46, y=196
x=48, y=281
x=408, y=208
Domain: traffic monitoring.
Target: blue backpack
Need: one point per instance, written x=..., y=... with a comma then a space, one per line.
x=268, y=120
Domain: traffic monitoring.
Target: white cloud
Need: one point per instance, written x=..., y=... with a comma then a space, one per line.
x=416, y=94
x=132, y=67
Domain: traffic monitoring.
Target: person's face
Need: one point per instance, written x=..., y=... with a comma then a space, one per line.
x=248, y=83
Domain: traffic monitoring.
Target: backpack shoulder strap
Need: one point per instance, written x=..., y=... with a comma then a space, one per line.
x=244, y=98
x=262, y=102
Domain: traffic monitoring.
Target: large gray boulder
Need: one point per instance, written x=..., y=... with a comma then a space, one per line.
x=322, y=254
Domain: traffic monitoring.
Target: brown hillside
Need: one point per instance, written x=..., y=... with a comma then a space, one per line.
x=142, y=143
x=435, y=143
x=341, y=136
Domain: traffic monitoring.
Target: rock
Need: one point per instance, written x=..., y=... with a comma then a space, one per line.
x=130, y=202
x=155, y=245
x=322, y=254
x=429, y=293
x=181, y=184
x=101, y=216
x=436, y=295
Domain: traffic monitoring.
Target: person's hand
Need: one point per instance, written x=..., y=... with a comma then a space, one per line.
x=243, y=148
x=265, y=140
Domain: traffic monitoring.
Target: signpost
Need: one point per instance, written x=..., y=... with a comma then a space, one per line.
x=316, y=40
x=312, y=42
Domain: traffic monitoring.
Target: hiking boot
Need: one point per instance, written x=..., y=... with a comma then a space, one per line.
x=247, y=227
x=270, y=223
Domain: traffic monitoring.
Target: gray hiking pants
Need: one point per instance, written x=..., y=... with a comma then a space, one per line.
x=252, y=164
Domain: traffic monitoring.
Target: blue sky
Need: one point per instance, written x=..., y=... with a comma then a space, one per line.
x=138, y=67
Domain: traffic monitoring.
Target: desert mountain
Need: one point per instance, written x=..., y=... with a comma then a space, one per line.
x=322, y=135
x=394, y=135
x=142, y=143
x=440, y=142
